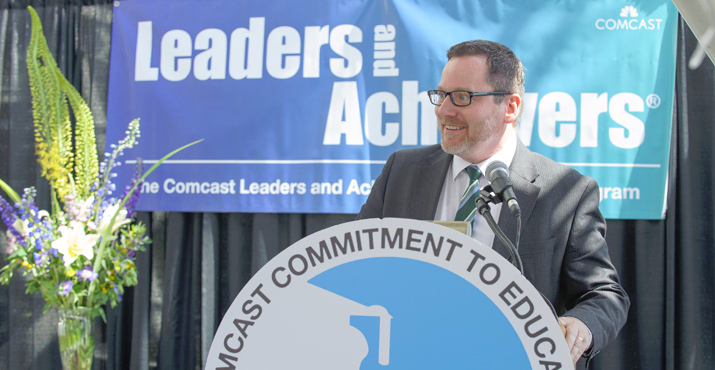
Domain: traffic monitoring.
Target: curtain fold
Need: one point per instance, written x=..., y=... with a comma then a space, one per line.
x=694, y=281
x=198, y=262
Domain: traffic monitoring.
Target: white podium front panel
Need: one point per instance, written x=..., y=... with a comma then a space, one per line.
x=388, y=294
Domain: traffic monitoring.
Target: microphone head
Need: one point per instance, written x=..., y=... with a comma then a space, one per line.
x=498, y=174
x=494, y=168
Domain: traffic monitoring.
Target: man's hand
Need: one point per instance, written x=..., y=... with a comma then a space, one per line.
x=578, y=337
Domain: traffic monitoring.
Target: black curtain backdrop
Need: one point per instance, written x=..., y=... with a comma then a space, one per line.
x=198, y=262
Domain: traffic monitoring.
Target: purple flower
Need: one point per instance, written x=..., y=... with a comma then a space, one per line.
x=65, y=287
x=9, y=217
x=86, y=274
x=133, y=198
x=41, y=258
x=119, y=296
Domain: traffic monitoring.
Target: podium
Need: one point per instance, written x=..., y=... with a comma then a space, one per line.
x=388, y=294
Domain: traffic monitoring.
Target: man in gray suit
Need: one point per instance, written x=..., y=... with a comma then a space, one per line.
x=563, y=248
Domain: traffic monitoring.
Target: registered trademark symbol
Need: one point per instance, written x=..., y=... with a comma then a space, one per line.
x=653, y=101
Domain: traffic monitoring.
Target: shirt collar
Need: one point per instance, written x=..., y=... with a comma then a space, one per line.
x=506, y=155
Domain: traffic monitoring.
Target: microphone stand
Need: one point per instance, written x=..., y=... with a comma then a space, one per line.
x=486, y=196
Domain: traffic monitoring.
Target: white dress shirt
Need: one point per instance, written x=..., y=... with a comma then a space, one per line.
x=456, y=182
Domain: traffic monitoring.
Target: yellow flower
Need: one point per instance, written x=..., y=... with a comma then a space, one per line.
x=74, y=243
x=26, y=265
x=70, y=272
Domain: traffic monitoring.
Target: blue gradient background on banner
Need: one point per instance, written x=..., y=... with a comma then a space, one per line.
x=269, y=131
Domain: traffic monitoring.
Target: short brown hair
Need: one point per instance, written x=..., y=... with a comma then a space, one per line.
x=506, y=73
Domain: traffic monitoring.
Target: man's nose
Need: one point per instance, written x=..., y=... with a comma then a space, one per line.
x=447, y=108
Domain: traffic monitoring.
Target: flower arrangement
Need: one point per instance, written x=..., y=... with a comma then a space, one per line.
x=81, y=252
x=60, y=252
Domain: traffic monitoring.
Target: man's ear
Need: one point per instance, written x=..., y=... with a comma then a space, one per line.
x=513, y=104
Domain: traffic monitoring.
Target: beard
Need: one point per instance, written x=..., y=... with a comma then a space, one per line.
x=480, y=136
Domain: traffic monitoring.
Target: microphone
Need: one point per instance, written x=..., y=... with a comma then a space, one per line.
x=498, y=175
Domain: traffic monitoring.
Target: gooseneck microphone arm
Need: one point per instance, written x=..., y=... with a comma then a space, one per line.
x=485, y=197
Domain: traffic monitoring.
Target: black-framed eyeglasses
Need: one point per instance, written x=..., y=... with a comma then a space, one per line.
x=459, y=98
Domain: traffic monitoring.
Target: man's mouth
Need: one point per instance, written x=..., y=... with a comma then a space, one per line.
x=453, y=128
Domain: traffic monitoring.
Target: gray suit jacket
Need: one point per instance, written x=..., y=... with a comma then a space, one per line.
x=562, y=245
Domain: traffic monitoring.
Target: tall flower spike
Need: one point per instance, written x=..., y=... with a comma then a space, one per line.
x=69, y=168
x=86, y=165
x=53, y=135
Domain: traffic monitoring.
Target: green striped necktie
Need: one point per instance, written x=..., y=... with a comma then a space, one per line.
x=467, y=205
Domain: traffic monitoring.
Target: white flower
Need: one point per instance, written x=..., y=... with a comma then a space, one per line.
x=22, y=227
x=43, y=214
x=82, y=209
x=120, y=221
x=11, y=241
x=75, y=243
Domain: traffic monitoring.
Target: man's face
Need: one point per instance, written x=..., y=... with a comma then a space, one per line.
x=473, y=132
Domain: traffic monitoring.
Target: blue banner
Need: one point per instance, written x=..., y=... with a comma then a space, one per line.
x=300, y=103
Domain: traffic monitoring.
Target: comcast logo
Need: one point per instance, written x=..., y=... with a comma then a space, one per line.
x=629, y=11
x=628, y=20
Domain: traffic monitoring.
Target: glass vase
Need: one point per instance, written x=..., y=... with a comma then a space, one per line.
x=74, y=329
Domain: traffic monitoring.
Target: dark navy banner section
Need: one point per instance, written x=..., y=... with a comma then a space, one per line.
x=300, y=103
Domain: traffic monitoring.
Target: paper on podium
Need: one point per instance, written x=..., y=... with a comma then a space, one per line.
x=461, y=226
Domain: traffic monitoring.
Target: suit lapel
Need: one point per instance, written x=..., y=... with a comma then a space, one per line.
x=429, y=180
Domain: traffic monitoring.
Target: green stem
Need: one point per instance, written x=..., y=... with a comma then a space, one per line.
x=11, y=193
x=105, y=235
x=56, y=209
